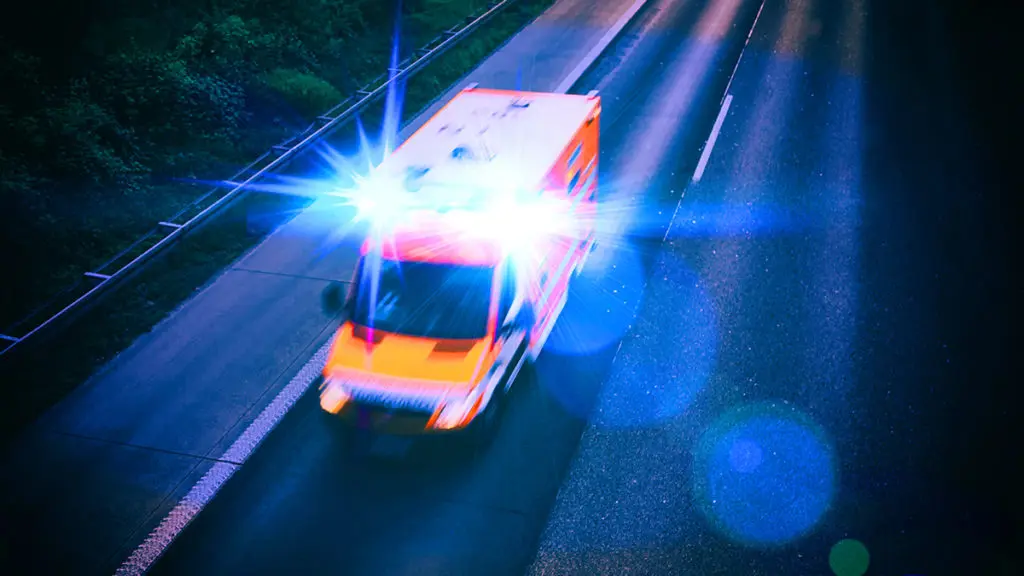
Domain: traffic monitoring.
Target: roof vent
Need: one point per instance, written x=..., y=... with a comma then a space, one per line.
x=467, y=153
x=449, y=128
x=463, y=153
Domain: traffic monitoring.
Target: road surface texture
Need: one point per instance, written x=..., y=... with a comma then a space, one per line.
x=794, y=376
x=303, y=504
x=97, y=473
x=811, y=364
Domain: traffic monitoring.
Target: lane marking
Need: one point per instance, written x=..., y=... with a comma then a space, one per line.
x=600, y=47
x=711, y=141
x=726, y=101
x=202, y=493
x=147, y=553
x=750, y=34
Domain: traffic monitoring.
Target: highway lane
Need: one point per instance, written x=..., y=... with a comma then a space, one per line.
x=733, y=303
x=302, y=503
x=806, y=334
x=144, y=429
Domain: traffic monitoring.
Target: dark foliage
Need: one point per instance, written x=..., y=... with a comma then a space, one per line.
x=106, y=106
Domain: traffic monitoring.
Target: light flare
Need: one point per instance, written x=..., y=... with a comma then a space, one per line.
x=523, y=224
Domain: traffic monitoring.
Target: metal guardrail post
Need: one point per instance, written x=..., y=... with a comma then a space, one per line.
x=282, y=154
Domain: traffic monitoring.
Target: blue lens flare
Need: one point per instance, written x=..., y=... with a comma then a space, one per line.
x=666, y=360
x=719, y=220
x=764, y=475
x=602, y=301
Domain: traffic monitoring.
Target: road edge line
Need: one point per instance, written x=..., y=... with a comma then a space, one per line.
x=588, y=60
x=203, y=491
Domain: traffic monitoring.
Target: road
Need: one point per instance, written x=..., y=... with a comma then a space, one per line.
x=794, y=375
x=302, y=504
x=801, y=370
x=165, y=413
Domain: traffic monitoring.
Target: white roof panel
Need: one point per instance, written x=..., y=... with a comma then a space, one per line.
x=491, y=137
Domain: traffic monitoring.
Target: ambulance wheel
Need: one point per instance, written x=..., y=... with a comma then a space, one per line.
x=484, y=427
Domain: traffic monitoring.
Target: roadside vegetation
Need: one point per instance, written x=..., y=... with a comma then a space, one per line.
x=108, y=108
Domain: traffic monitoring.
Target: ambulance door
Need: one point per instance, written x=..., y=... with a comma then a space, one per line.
x=553, y=283
x=515, y=320
x=581, y=184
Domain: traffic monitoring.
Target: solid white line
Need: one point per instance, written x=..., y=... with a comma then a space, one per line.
x=706, y=154
x=599, y=48
x=203, y=491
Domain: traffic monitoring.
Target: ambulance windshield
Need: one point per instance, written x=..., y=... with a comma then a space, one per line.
x=423, y=299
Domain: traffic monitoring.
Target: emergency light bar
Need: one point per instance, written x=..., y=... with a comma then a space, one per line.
x=506, y=214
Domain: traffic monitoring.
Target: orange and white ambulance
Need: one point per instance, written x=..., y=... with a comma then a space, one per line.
x=482, y=217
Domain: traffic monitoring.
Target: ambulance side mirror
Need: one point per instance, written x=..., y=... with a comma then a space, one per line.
x=332, y=299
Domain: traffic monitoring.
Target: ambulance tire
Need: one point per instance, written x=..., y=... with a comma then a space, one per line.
x=485, y=427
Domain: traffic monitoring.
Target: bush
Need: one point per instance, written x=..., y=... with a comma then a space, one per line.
x=99, y=115
x=309, y=94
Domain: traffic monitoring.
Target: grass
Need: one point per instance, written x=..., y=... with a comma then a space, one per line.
x=36, y=380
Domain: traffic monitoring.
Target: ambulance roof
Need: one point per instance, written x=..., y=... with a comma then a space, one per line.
x=406, y=247
x=482, y=137
x=432, y=237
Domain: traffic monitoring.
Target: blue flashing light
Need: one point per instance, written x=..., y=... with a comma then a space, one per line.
x=522, y=223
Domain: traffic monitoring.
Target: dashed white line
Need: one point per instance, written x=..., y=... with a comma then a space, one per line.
x=599, y=48
x=746, y=42
x=703, y=163
x=147, y=553
x=726, y=100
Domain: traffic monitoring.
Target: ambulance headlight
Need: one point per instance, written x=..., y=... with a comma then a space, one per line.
x=333, y=396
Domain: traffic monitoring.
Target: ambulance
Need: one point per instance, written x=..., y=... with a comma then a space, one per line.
x=475, y=226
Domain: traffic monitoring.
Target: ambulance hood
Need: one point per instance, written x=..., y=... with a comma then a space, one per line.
x=423, y=362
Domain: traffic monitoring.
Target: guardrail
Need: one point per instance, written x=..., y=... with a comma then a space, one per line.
x=167, y=232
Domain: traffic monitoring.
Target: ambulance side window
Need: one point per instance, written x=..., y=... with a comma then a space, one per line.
x=572, y=183
x=575, y=155
x=508, y=294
